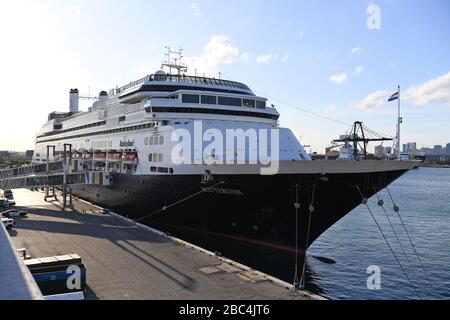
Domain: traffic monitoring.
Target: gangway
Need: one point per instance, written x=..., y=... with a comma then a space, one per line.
x=44, y=181
x=35, y=169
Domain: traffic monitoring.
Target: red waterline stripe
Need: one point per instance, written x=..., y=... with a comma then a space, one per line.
x=238, y=238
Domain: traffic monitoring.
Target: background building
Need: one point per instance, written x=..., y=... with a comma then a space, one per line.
x=380, y=152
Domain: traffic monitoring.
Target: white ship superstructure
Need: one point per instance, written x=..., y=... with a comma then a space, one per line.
x=129, y=129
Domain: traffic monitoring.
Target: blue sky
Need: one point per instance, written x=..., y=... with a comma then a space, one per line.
x=318, y=55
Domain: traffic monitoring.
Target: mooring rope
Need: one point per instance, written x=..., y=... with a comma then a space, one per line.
x=180, y=201
x=381, y=204
x=297, y=207
x=365, y=202
x=311, y=211
x=396, y=209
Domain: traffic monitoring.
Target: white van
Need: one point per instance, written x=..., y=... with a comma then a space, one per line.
x=8, y=223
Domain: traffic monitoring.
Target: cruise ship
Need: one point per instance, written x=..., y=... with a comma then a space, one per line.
x=256, y=197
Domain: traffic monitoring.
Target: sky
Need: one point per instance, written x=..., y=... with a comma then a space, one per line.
x=338, y=59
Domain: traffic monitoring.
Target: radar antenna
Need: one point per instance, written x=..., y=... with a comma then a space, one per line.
x=173, y=61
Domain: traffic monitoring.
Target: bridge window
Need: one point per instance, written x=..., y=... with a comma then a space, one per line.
x=209, y=100
x=227, y=101
x=260, y=104
x=249, y=103
x=161, y=140
x=191, y=98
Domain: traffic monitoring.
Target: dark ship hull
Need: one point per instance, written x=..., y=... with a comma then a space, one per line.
x=265, y=222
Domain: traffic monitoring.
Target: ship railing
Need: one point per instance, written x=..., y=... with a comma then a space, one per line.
x=184, y=78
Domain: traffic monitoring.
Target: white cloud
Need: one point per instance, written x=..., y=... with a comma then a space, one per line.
x=245, y=56
x=373, y=100
x=285, y=57
x=196, y=11
x=301, y=33
x=264, y=58
x=356, y=50
x=358, y=70
x=339, y=78
x=36, y=47
x=435, y=90
x=218, y=51
x=267, y=58
x=147, y=68
x=332, y=107
x=73, y=14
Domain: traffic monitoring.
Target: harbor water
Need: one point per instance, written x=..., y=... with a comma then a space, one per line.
x=355, y=243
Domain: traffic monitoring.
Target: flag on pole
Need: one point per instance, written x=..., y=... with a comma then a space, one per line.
x=394, y=97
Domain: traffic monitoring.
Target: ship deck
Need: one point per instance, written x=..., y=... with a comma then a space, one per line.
x=126, y=261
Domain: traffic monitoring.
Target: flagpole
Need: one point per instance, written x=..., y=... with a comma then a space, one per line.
x=399, y=125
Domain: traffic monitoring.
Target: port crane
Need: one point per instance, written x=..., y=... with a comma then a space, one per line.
x=359, y=139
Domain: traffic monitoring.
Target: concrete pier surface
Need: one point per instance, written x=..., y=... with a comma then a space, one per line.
x=125, y=261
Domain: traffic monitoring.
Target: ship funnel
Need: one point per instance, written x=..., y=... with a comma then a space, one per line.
x=102, y=99
x=74, y=101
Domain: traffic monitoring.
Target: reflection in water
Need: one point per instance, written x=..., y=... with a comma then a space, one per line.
x=312, y=279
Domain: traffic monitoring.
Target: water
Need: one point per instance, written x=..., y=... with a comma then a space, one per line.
x=355, y=243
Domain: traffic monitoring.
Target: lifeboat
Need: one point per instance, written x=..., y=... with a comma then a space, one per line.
x=130, y=156
x=114, y=155
x=100, y=155
x=86, y=155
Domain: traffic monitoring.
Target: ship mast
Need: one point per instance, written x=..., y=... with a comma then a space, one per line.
x=174, y=62
x=399, y=123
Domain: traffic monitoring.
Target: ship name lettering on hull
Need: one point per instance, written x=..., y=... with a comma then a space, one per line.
x=234, y=192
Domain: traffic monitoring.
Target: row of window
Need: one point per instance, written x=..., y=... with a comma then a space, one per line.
x=56, y=127
x=198, y=80
x=105, y=132
x=155, y=157
x=225, y=101
x=215, y=111
x=154, y=141
x=161, y=170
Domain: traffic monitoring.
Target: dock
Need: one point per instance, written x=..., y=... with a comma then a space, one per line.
x=126, y=261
